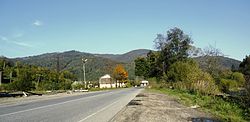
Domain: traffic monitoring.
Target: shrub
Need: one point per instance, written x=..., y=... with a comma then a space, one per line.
x=154, y=83
x=227, y=84
x=205, y=84
x=77, y=85
x=183, y=71
x=188, y=76
x=239, y=77
x=65, y=84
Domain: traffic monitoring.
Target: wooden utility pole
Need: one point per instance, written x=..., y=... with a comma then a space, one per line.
x=1, y=77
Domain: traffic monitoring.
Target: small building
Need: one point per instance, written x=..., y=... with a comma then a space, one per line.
x=144, y=83
x=106, y=82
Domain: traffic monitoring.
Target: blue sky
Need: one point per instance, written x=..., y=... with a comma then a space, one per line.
x=32, y=27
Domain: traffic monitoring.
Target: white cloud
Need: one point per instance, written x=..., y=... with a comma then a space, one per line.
x=18, y=35
x=37, y=23
x=22, y=44
x=12, y=41
x=3, y=38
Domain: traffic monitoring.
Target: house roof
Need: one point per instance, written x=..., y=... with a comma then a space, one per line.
x=106, y=76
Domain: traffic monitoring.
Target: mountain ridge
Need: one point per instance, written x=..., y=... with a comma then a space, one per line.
x=97, y=64
x=126, y=57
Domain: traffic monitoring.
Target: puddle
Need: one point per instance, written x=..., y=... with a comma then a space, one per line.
x=141, y=95
x=202, y=119
x=137, y=100
x=134, y=102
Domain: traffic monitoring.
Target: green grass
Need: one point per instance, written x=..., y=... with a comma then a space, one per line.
x=221, y=109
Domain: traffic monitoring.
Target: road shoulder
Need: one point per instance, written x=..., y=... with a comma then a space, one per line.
x=153, y=107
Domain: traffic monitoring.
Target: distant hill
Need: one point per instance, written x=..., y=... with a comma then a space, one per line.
x=96, y=66
x=224, y=62
x=72, y=61
x=127, y=57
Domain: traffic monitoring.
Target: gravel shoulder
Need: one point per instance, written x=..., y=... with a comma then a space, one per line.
x=155, y=107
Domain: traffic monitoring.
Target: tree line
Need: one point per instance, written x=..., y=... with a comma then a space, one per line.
x=20, y=77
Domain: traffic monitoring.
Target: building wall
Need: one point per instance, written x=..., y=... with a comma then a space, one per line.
x=113, y=85
x=107, y=85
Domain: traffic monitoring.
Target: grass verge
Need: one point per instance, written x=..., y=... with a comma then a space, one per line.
x=221, y=109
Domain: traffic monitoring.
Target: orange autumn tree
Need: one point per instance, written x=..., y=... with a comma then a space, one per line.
x=119, y=74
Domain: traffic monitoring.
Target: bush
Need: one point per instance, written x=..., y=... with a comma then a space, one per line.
x=239, y=78
x=188, y=76
x=45, y=85
x=205, y=84
x=4, y=87
x=65, y=84
x=229, y=81
x=154, y=83
x=77, y=85
x=227, y=84
x=183, y=71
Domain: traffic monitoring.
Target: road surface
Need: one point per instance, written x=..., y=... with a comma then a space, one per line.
x=89, y=107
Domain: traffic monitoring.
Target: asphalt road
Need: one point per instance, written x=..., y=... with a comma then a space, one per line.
x=89, y=107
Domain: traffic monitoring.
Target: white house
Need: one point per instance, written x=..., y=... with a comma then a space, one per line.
x=106, y=82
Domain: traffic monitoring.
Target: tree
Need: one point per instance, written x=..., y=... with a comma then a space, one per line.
x=24, y=80
x=154, y=70
x=120, y=74
x=174, y=47
x=245, y=69
x=245, y=66
x=211, y=55
x=65, y=80
x=141, y=67
x=195, y=52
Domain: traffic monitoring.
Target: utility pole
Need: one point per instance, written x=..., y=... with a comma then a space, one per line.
x=58, y=63
x=163, y=68
x=1, y=77
x=84, y=61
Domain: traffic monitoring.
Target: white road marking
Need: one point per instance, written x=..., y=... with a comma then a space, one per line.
x=51, y=105
x=98, y=111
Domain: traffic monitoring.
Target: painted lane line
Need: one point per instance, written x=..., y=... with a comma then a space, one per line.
x=51, y=105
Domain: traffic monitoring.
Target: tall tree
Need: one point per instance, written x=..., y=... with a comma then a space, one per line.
x=154, y=69
x=141, y=67
x=173, y=47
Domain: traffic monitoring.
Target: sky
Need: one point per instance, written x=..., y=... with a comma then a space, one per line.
x=32, y=27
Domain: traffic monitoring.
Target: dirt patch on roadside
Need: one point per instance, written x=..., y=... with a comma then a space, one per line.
x=155, y=107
